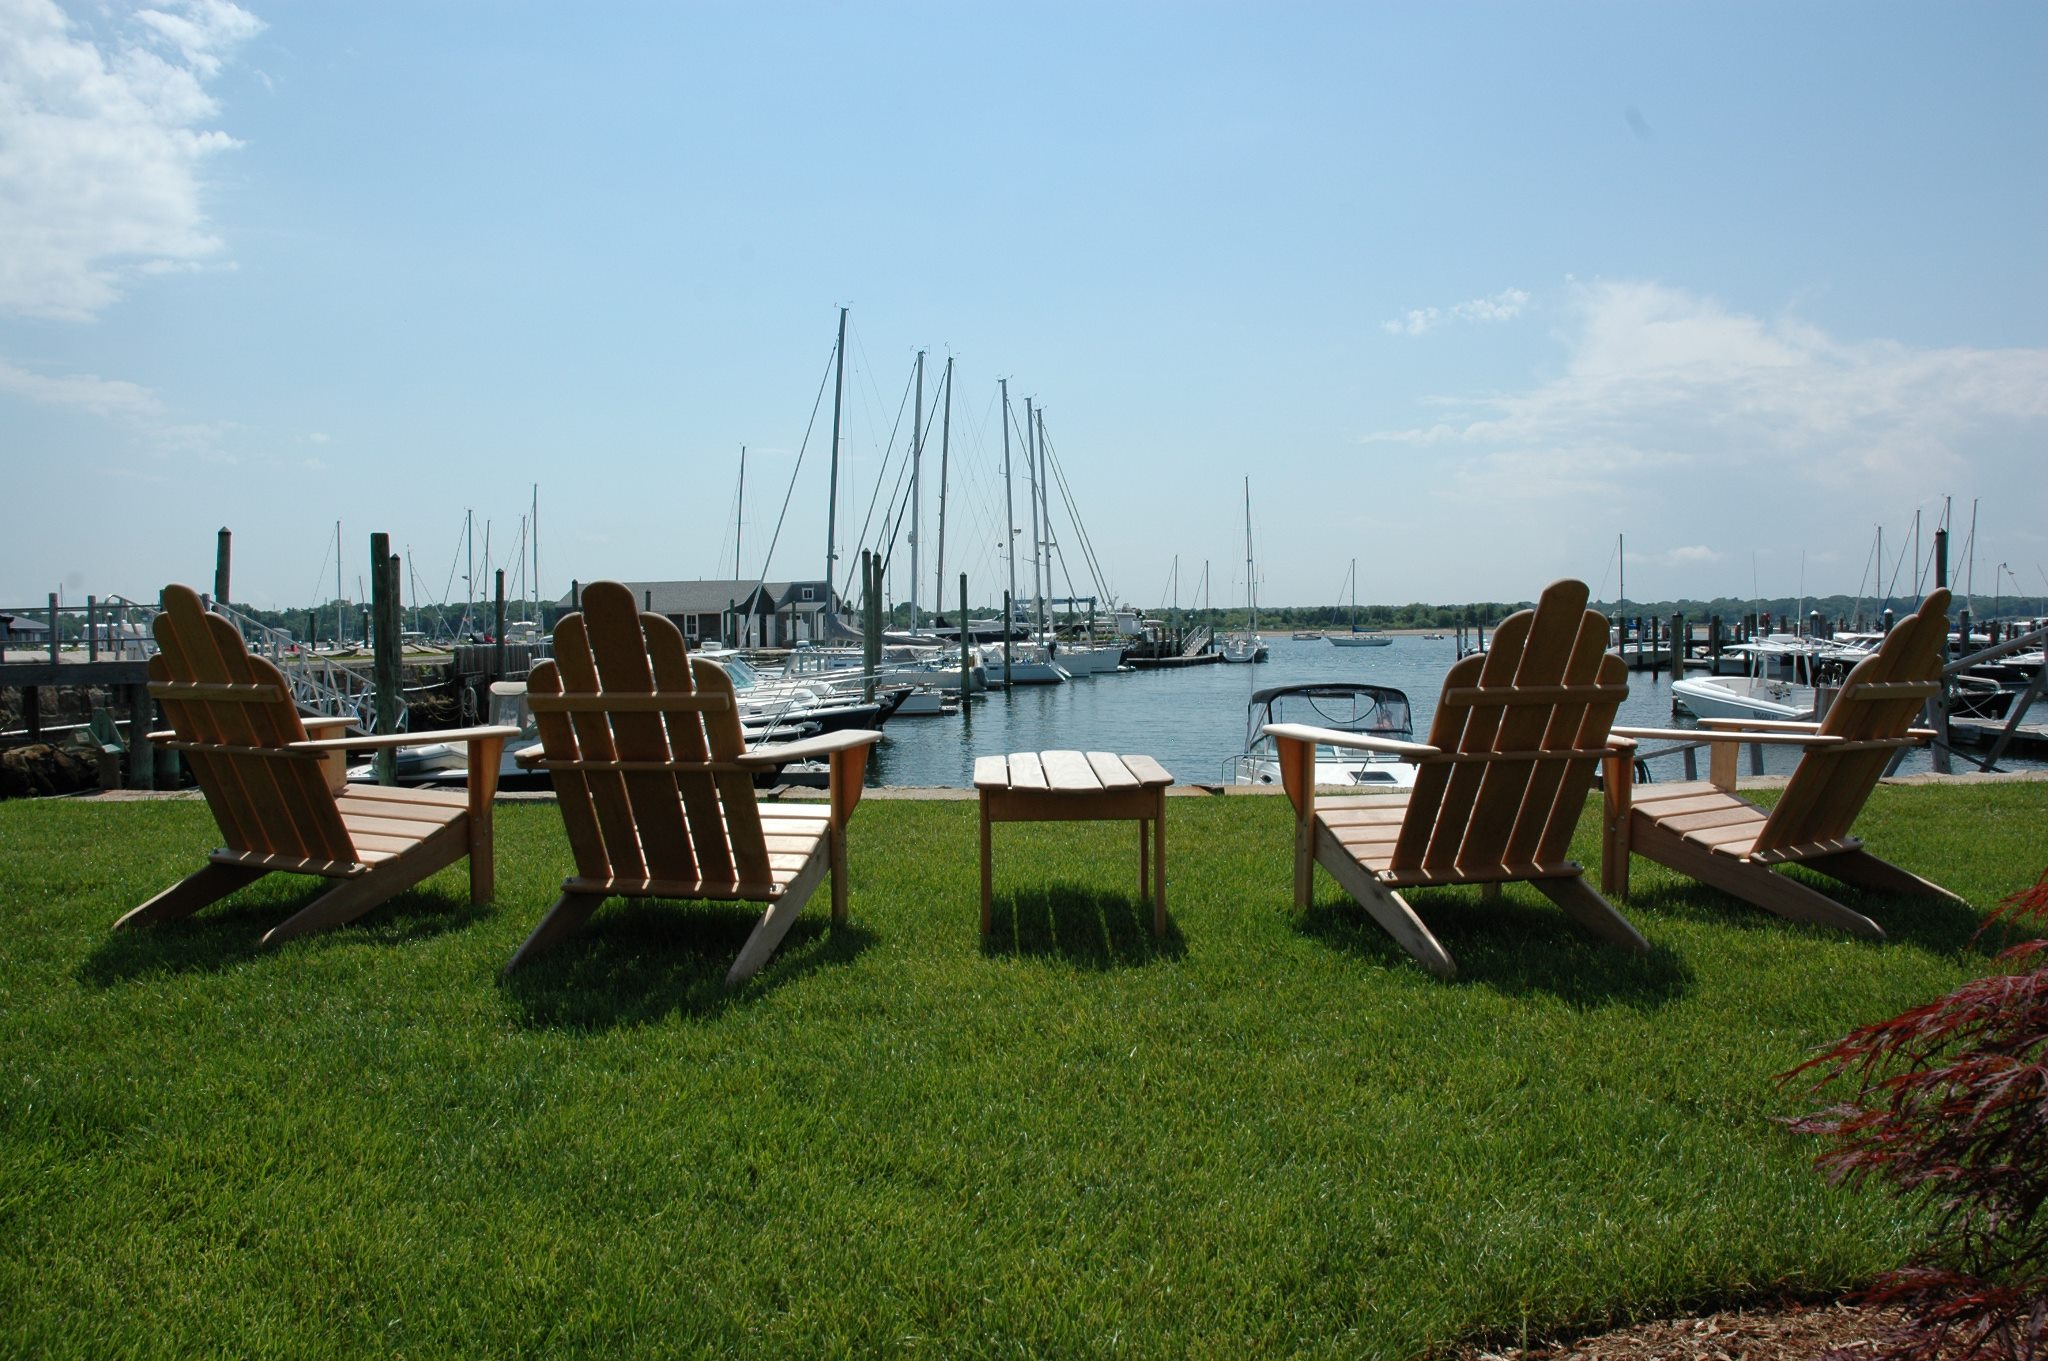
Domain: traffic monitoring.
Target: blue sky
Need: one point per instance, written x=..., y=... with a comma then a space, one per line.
x=1465, y=291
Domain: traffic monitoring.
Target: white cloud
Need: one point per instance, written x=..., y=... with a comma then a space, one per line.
x=1505, y=305
x=1658, y=379
x=109, y=397
x=317, y=437
x=101, y=146
x=117, y=400
x=1692, y=555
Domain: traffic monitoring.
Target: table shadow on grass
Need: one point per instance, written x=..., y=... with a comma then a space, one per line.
x=1086, y=928
x=1514, y=947
x=638, y=963
x=222, y=936
x=1936, y=925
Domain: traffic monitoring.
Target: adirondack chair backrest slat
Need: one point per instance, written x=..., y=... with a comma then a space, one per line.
x=1546, y=685
x=1829, y=788
x=264, y=804
x=675, y=824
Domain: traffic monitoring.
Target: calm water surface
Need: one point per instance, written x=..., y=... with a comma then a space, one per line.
x=1193, y=720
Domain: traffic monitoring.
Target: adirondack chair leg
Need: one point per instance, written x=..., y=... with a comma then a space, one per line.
x=835, y=838
x=1585, y=906
x=1754, y=884
x=188, y=895
x=564, y=919
x=1866, y=871
x=776, y=921
x=351, y=898
x=1391, y=911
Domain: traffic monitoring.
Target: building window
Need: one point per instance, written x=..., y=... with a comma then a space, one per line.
x=807, y=594
x=690, y=626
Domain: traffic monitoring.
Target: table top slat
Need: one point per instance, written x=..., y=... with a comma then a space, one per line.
x=1069, y=772
x=1111, y=770
x=991, y=772
x=1027, y=771
x=1148, y=771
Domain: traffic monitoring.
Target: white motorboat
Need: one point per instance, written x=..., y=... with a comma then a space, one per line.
x=1369, y=710
x=1780, y=683
x=1029, y=664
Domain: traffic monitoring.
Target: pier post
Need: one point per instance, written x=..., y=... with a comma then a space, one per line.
x=1680, y=637
x=965, y=668
x=1889, y=620
x=498, y=630
x=141, y=757
x=384, y=660
x=1714, y=644
x=1006, y=640
x=870, y=620
x=92, y=628
x=53, y=628
x=222, y=552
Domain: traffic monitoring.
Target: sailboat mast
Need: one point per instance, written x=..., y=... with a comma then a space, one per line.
x=945, y=448
x=1009, y=509
x=1045, y=497
x=1037, y=537
x=536, y=553
x=739, y=518
x=1621, y=594
x=916, y=471
x=832, y=495
x=337, y=585
x=1251, y=603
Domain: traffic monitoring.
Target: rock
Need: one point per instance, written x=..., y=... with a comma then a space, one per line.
x=41, y=769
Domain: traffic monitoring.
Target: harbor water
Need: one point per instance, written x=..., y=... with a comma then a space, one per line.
x=1192, y=719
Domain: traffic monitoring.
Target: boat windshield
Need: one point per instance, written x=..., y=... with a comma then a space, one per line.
x=744, y=677
x=1375, y=710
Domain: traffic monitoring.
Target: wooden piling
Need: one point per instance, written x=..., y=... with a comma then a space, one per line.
x=385, y=665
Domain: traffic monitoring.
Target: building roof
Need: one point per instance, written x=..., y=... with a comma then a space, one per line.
x=714, y=597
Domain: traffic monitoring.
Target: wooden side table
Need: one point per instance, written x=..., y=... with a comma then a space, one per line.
x=1077, y=786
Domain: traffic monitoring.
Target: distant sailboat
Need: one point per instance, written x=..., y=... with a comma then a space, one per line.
x=1358, y=637
x=1247, y=647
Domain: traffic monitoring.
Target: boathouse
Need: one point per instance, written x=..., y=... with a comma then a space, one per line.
x=741, y=613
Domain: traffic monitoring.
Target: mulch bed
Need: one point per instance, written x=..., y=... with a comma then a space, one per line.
x=1776, y=1333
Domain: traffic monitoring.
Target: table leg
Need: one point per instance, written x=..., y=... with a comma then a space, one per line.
x=1159, y=854
x=986, y=877
x=1144, y=864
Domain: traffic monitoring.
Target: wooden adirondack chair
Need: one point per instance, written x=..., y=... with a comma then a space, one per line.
x=656, y=784
x=1517, y=735
x=282, y=800
x=1703, y=829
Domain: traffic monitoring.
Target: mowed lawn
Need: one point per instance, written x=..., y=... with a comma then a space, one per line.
x=1268, y=1134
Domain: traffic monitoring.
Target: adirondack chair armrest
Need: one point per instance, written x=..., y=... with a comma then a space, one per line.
x=1762, y=724
x=1330, y=737
x=325, y=723
x=808, y=749
x=1761, y=737
x=529, y=757
x=370, y=741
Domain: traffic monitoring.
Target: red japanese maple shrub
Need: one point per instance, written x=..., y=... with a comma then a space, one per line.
x=1951, y=1111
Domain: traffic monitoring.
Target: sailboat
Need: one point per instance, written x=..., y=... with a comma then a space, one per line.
x=1247, y=647
x=1358, y=637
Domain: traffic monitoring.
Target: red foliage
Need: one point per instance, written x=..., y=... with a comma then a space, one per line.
x=1951, y=1110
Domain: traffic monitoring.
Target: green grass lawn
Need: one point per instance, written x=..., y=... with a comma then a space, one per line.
x=1269, y=1133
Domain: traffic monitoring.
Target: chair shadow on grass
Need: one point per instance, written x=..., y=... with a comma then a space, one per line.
x=1517, y=946
x=1936, y=925
x=1085, y=927
x=223, y=935
x=638, y=961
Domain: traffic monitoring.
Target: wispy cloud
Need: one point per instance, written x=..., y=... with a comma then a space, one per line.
x=1502, y=306
x=101, y=144
x=112, y=399
x=1660, y=380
